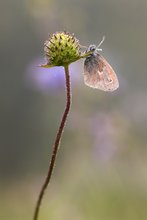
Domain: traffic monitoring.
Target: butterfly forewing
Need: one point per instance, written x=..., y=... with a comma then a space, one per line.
x=99, y=74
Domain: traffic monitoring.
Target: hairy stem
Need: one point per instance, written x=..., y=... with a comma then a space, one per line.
x=56, y=144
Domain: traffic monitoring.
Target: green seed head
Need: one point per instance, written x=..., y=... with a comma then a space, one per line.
x=61, y=49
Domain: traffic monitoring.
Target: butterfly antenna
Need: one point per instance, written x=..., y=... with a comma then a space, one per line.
x=82, y=46
x=101, y=43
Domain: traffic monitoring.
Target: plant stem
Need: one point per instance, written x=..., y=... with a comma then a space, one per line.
x=56, y=144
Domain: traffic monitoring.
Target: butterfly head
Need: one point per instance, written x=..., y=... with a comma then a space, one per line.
x=91, y=48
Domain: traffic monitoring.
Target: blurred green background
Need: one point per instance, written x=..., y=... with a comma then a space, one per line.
x=101, y=171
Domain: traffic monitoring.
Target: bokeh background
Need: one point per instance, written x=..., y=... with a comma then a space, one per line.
x=101, y=171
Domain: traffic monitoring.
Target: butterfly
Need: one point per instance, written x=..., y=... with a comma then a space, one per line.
x=98, y=73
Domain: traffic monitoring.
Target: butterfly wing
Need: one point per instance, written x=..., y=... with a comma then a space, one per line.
x=99, y=74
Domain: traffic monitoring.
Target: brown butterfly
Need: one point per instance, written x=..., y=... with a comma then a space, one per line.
x=98, y=73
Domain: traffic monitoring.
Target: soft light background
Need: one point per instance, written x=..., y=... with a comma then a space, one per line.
x=101, y=171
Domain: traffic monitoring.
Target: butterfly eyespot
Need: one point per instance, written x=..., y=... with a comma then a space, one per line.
x=110, y=80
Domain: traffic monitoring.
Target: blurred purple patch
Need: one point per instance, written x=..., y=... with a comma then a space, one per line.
x=104, y=132
x=49, y=79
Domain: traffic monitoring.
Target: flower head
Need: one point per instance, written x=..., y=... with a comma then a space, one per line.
x=62, y=48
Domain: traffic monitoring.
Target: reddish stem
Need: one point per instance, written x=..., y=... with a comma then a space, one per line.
x=56, y=144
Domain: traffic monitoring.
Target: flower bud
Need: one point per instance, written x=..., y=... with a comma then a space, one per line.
x=61, y=49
